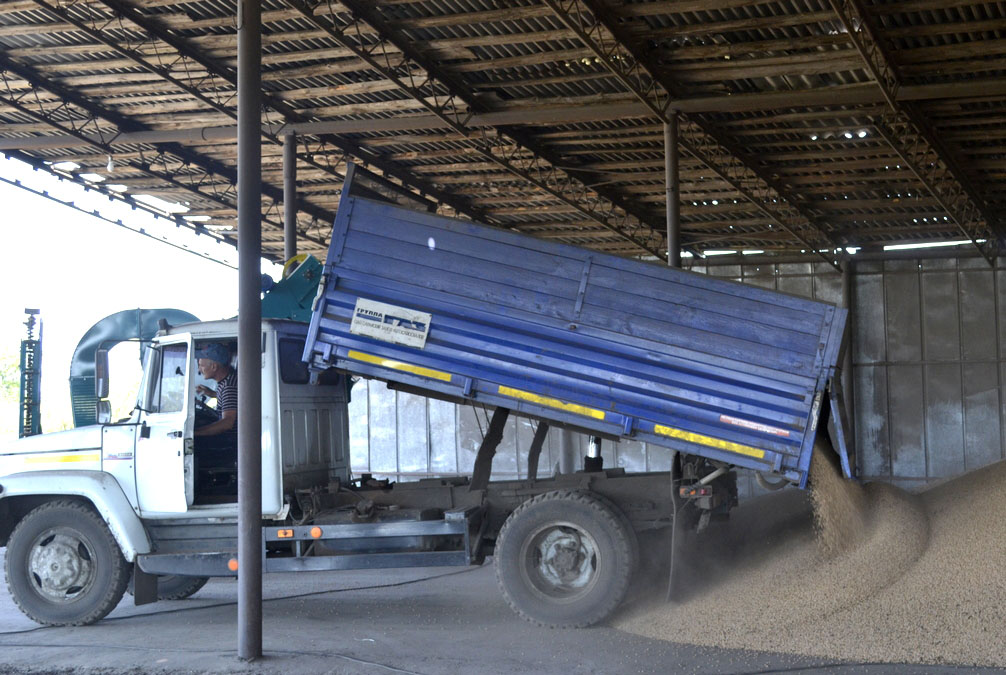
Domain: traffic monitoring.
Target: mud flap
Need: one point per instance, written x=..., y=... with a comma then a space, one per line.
x=144, y=586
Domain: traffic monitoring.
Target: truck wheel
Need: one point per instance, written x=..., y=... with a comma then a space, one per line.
x=63, y=566
x=173, y=587
x=564, y=559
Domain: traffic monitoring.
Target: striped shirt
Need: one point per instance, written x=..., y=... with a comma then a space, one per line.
x=227, y=393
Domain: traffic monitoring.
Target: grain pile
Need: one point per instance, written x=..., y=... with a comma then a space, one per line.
x=924, y=582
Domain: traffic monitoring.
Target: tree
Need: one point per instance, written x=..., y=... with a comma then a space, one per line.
x=10, y=376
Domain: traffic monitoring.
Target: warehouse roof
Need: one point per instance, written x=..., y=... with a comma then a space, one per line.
x=805, y=125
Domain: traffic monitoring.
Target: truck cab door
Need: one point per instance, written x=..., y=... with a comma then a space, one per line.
x=164, y=443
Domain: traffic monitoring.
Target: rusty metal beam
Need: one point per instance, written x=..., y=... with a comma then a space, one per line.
x=915, y=142
x=702, y=140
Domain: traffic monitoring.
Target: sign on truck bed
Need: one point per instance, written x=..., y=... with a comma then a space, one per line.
x=605, y=344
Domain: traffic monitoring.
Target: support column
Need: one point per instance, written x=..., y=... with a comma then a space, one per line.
x=672, y=191
x=848, y=376
x=249, y=330
x=289, y=196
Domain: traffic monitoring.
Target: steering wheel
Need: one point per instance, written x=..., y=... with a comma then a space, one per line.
x=204, y=413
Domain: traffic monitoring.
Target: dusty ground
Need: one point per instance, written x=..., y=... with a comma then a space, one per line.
x=924, y=583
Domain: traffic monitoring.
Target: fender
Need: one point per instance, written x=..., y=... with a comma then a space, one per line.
x=98, y=487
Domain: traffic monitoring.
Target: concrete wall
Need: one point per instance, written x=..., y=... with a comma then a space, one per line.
x=928, y=369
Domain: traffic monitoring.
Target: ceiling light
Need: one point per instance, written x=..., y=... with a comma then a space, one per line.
x=933, y=244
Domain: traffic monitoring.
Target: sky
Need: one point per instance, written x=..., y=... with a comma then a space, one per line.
x=77, y=269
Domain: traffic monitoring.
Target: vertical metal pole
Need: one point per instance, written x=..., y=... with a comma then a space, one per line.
x=672, y=191
x=249, y=330
x=289, y=196
x=567, y=452
x=848, y=377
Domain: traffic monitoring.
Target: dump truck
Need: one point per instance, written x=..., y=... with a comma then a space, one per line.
x=725, y=376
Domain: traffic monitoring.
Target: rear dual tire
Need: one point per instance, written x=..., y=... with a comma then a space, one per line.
x=564, y=559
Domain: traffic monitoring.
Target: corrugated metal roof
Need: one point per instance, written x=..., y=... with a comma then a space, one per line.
x=780, y=85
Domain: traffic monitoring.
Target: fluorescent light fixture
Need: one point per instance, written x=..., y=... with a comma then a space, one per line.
x=932, y=244
x=686, y=254
x=752, y=252
x=158, y=203
x=852, y=250
x=716, y=252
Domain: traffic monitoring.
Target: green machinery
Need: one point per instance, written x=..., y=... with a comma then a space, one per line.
x=29, y=407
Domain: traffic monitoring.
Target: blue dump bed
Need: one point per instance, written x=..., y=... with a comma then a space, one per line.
x=611, y=346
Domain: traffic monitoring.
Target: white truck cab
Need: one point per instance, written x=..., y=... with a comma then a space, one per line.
x=137, y=476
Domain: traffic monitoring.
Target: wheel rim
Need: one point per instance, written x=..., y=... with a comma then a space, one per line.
x=560, y=561
x=61, y=565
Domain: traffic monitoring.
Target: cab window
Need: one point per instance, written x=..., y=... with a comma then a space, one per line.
x=169, y=388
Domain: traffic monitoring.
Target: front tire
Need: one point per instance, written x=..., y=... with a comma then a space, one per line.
x=63, y=567
x=564, y=559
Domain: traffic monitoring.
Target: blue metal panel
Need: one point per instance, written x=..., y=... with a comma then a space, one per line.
x=605, y=344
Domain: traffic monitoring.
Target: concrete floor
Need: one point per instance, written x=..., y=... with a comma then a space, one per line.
x=441, y=620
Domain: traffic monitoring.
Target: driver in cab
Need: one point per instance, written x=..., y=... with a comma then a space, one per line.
x=214, y=364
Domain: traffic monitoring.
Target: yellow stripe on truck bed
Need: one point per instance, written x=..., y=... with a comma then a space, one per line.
x=552, y=402
x=398, y=365
x=709, y=441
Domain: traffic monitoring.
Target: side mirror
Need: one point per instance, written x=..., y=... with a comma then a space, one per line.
x=101, y=373
x=104, y=412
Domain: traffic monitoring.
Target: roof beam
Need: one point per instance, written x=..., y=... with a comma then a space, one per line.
x=73, y=114
x=185, y=52
x=915, y=142
x=85, y=17
x=451, y=101
x=609, y=43
x=553, y=114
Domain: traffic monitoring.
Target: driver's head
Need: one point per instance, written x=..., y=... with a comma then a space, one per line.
x=213, y=360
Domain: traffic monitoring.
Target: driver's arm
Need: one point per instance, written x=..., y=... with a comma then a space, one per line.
x=225, y=423
x=203, y=390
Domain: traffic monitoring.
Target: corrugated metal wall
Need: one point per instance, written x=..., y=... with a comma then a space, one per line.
x=927, y=370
